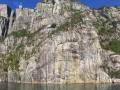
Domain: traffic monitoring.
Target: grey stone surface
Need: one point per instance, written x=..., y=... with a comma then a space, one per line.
x=35, y=50
x=5, y=10
x=3, y=26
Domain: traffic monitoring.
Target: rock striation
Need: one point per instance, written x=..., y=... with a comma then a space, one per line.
x=65, y=42
x=5, y=10
x=3, y=26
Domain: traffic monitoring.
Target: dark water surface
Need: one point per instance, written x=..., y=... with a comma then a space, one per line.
x=15, y=86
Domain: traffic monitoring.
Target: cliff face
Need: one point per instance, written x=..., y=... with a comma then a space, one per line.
x=60, y=44
x=3, y=26
x=5, y=10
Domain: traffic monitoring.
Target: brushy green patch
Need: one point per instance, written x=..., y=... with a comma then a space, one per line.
x=105, y=24
x=14, y=56
x=20, y=33
x=24, y=33
x=106, y=29
x=115, y=74
x=2, y=39
x=111, y=72
x=71, y=22
x=113, y=45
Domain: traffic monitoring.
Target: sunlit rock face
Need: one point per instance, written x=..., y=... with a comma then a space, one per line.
x=69, y=57
x=6, y=19
x=57, y=44
x=5, y=10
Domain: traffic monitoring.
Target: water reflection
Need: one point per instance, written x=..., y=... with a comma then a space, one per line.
x=15, y=86
x=3, y=86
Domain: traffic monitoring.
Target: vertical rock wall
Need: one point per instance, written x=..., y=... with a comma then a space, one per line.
x=46, y=46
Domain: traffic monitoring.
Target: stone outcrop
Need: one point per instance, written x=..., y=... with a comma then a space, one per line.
x=5, y=14
x=3, y=26
x=5, y=10
x=70, y=57
x=57, y=44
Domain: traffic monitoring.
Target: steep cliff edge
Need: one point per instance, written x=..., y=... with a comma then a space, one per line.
x=65, y=43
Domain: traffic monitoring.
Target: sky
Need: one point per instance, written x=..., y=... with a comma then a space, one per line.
x=91, y=3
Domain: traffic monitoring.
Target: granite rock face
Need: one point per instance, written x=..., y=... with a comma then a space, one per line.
x=5, y=10
x=56, y=44
x=72, y=57
x=5, y=14
x=3, y=26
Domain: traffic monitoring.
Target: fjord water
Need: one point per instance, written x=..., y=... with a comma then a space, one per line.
x=16, y=86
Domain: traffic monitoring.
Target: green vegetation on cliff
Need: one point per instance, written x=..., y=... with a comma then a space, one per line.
x=20, y=33
x=113, y=45
x=2, y=39
x=70, y=23
x=115, y=74
x=107, y=30
x=111, y=72
x=14, y=56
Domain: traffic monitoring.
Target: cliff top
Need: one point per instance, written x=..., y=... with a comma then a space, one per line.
x=5, y=10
